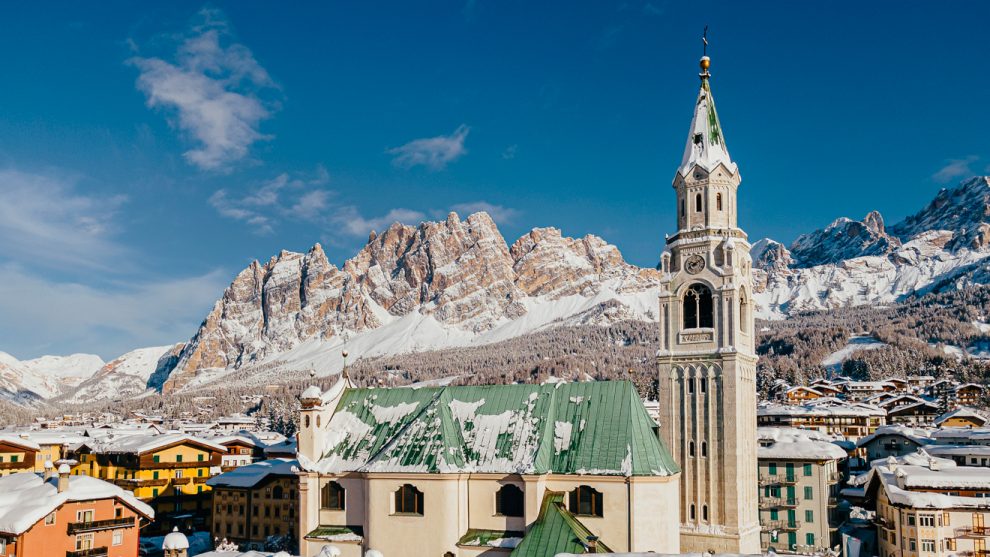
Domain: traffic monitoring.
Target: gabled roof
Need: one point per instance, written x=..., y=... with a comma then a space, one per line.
x=916, y=435
x=598, y=428
x=18, y=441
x=555, y=531
x=140, y=444
x=255, y=473
x=804, y=388
x=26, y=498
x=705, y=146
x=961, y=412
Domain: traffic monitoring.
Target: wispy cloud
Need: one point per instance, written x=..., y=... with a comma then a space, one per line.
x=45, y=220
x=434, y=153
x=282, y=197
x=212, y=89
x=43, y=316
x=499, y=213
x=510, y=152
x=349, y=220
x=955, y=168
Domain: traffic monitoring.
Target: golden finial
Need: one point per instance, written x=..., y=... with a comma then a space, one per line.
x=705, y=61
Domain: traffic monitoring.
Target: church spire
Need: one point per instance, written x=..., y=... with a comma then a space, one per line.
x=705, y=143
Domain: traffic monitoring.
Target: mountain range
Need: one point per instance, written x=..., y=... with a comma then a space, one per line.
x=458, y=283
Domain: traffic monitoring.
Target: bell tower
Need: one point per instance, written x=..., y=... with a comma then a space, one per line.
x=707, y=362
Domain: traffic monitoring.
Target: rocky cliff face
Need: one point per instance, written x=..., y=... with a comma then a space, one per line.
x=945, y=245
x=446, y=283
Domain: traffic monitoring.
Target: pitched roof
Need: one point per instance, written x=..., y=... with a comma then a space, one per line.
x=253, y=474
x=961, y=412
x=705, y=146
x=26, y=498
x=142, y=443
x=555, y=531
x=598, y=428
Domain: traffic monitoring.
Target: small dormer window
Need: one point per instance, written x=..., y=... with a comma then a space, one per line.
x=698, y=139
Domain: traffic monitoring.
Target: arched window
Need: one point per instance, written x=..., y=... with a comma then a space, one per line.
x=409, y=500
x=692, y=513
x=306, y=421
x=691, y=448
x=698, y=307
x=332, y=496
x=509, y=501
x=277, y=492
x=743, y=312
x=704, y=512
x=697, y=202
x=682, y=208
x=718, y=201
x=586, y=500
x=704, y=449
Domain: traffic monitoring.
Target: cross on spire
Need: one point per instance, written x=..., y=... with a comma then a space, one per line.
x=704, y=40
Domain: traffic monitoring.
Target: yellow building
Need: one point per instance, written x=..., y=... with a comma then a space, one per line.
x=255, y=502
x=930, y=506
x=168, y=471
x=17, y=455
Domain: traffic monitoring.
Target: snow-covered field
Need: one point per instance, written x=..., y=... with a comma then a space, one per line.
x=833, y=362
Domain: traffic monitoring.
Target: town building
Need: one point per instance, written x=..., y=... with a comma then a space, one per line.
x=893, y=440
x=17, y=455
x=802, y=394
x=961, y=417
x=49, y=515
x=168, y=471
x=969, y=394
x=799, y=478
x=255, y=502
x=448, y=470
x=919, y=413
x=830, y=416
x=928, y=506
x=706, y=360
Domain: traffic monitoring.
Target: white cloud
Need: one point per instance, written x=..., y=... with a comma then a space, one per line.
x=349, y=220
x=510, y=152
x=499, y=213
x=43, y=316
x=955, y=168
x=213, y=91
x=46, y=221
x=282, y=197
x=434, y=153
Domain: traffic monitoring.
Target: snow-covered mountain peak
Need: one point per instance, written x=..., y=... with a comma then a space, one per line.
x=843, y=239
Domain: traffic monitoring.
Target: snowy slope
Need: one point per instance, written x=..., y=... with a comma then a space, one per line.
x=125, y=376
x=45, y=377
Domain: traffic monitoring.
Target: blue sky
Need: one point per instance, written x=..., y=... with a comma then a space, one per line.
x=148, y=153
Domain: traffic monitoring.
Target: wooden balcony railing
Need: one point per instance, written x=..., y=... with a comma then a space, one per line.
x=94, y=552
x=95, y=525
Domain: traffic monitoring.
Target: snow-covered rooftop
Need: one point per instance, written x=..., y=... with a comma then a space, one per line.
x=962, y=412
x=252, y=474
x=826, y=406
x=907, y=480
x=919, y=435
x=26, y=498
x=797, y=444
x=19, y=441
x=142, y=443
x=705, y=146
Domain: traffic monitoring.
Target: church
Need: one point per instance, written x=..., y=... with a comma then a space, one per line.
x=537, y=470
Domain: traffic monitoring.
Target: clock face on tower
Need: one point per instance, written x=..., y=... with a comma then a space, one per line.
x=694, y=264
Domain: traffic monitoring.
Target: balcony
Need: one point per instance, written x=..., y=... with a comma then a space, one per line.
x=973, y=532
x=132, y=483
x=96, y=525
x=181, y=481
x=833, y=501
x=92, y=552
x=835, y=477
x=772, y=525
x=777, y=502
x=777, y=480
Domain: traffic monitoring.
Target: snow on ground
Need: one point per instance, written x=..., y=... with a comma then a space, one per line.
x=47, y=376
x=833, y=361
x=125, y=375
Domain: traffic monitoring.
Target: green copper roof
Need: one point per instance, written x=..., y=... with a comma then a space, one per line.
x=598, y=428
x=555, y=531
x=336, y=533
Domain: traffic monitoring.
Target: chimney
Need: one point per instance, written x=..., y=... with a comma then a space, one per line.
x=63, y=477
x=592, y=545
x=49, y=470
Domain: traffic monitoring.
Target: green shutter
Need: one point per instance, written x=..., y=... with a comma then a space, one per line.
x=773, y=468
x=790, y=470
x=774, y=514
x=809, y=517
x=809, y=539
x=157, y=458
x=791, y=539
x=809, y=493
x=807, y=469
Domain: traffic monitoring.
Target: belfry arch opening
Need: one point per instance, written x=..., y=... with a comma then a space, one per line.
x=743, y=312
x=698, y=307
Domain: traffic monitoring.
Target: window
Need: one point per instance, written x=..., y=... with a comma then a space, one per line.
x=332, y=496
x=809, y=516
x=928, y=546
x=178, y=458
x=682, y=208
x=199, y=457
x=807, y=469
x=704, y=449
x=409, y=500
x=718, y=201
x=317, y=420
x=178, y=474
x=809, y=493
x=698, y=307
x=692, y=512
x=809, y=539
x=704, y=512
x=697, y=202
x=926, y=520
x=13, y=458
x=50, y=519
x=118, y=537
x=910, y=520
x=690, y=384
x=84, y=516
x=157, y=458
x=743, y=313
x=509, y=501
x=84, y=541
x=773, y=468
x=154, y=492
x=691, y=448
x=278, y=492
x=154, y=475
x=913, y=546
x=306, y=421
x=703, y=383
x=587, y=501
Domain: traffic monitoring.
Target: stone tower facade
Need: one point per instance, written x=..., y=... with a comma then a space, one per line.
x=706, y=360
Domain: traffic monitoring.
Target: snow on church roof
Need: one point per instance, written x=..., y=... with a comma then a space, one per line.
x=26, y=498
x=705, y=146
x=597, y=428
